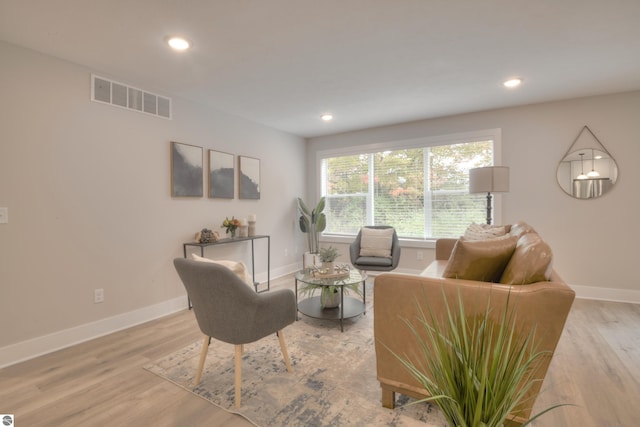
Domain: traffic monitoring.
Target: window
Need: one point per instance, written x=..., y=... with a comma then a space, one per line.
x=421, y=190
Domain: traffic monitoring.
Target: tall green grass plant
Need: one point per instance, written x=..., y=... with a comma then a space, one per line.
x=475, y=369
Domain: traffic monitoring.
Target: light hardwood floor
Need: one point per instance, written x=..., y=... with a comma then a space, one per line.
x=101, y=382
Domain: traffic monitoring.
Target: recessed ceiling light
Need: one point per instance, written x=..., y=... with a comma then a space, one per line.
x=178, y=43
x=326, y=117
x=512, y=83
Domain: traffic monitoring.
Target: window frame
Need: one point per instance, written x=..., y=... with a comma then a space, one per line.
x=494, y=134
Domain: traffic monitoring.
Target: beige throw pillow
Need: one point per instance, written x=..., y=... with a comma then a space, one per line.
x=484, y=231
x=482, y=260
x=237, y=267
x=530, y=263
x=376, y=242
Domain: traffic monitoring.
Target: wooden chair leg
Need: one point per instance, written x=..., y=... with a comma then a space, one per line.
x=238, y=372
x=203, y=356
x=283, y=347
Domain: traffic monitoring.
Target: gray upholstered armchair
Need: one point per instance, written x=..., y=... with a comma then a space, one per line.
x=372, y=262
x=230, y=311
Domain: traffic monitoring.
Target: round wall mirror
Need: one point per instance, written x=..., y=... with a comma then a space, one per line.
x=587, y=173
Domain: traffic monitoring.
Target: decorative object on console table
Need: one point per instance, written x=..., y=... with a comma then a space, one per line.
x=489, y=179
x=207, y=236
x=249, y=178
x=231, y=226
x=186, y=170
x=243, y=229
x=252, y=225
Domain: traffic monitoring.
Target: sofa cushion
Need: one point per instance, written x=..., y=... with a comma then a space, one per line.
x=482, y=260
x=376, y=242
x=521, y=228
x=484, y=231
x=530, y=262
x=237, y=267
x=374, y=261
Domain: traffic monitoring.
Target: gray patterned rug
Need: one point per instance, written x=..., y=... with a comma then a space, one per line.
x=333, y=381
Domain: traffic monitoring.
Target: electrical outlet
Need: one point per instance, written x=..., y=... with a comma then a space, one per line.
x=98, y=296
x=420, y=255
x=286, y=252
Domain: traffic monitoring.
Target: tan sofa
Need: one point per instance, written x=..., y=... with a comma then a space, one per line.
x=544, y=304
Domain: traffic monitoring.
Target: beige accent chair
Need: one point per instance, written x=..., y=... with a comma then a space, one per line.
x=544, y=305
x=228, y=310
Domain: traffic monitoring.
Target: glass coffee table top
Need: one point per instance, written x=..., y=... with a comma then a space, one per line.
x=307, y=276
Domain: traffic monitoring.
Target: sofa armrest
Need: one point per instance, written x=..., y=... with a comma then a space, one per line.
x=444, y=247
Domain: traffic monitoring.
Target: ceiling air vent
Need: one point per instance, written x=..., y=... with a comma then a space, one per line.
x=120, y=95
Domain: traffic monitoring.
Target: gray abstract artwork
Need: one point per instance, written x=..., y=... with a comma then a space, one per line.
x=186, y=170
x=221, y=175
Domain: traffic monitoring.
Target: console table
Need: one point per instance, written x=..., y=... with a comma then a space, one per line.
x=237, y=240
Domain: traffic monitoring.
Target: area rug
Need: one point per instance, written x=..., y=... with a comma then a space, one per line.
x=333, y=382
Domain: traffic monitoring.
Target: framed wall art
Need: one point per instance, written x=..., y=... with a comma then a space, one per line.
x=186, y=170
x=221, y=175
x=248, y=178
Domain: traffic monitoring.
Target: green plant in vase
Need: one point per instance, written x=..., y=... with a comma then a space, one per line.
x=475, y=369
x=231, y=225
x=328, y=256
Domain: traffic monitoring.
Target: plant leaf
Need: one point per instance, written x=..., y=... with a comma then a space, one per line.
x=321, y=222
x=303, y=208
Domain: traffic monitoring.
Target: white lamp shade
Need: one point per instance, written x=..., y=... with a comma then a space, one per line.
x=489, y=179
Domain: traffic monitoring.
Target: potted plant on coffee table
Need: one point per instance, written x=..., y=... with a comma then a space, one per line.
x=328, y=256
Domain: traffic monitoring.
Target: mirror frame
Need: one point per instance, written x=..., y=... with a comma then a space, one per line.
x=571, y=176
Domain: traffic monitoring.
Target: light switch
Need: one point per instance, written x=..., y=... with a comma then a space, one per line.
x=4, y=215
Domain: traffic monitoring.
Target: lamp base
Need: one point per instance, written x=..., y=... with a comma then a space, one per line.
x=489, y=216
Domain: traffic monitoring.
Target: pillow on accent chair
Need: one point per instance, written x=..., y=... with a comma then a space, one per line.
x=482, y=260
x=530, y=263
x=376, y=242
x=237, y=267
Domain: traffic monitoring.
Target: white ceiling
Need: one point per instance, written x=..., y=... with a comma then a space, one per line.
x=369, y=62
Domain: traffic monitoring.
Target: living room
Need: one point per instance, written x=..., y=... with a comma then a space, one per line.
x=87, y=187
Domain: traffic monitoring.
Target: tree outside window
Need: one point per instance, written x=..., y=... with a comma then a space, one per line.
x=422, y=192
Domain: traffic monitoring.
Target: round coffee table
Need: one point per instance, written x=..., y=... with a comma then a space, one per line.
x=349, y=307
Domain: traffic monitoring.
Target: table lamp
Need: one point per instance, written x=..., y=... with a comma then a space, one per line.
x=490, y=179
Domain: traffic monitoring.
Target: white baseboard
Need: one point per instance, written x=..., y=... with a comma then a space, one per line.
x=607, y=294
x=29, y=349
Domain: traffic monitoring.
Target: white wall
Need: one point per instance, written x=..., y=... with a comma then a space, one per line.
x=87, y=187
x=594, y=241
